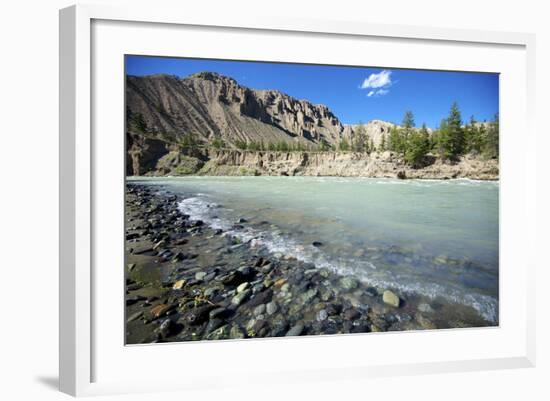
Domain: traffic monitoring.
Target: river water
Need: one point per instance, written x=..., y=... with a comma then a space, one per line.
x=436, y=238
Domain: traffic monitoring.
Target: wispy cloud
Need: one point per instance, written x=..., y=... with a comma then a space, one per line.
x=379, y=92
x=378, y=83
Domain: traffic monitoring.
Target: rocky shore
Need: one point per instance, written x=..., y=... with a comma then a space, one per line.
x=155, y=159
x=187, y=281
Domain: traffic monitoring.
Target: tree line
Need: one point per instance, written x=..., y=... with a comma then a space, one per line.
x=449, y=141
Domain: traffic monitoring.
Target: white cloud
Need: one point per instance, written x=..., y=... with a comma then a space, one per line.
x=379, y=92
x=380, y=80
x=378, y=83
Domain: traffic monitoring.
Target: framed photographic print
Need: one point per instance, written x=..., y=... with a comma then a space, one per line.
x=313, y=191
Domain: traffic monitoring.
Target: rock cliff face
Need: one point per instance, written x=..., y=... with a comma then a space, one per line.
x=339, y=164
x=212, y=106
x=346, y=164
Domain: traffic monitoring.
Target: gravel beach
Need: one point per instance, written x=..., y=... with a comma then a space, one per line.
x=186, y=281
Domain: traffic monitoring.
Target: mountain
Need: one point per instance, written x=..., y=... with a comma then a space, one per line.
x=211, y=106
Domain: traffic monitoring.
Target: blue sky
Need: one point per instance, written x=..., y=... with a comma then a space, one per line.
x=353, y=94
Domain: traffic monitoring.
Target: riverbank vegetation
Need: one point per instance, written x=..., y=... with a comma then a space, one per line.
x=417, y=146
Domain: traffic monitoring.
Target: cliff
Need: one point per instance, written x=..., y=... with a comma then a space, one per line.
x=348, y=164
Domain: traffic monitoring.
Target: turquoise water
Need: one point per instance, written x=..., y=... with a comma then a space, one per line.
x=435, y=238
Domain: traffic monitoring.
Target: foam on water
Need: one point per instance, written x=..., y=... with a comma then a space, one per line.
x=199, y=208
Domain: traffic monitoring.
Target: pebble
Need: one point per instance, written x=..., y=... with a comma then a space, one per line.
x=178, y=285
x=236, y=332
x=322, y=315
x=200, y=276
x=242, y=287
x=390, y=298
x=218, y=312
x=296, y=330
x=240, y=297
x=349, y=283
x=164, y=329
x=259, y=310
x=271, y=308
x=135, y=316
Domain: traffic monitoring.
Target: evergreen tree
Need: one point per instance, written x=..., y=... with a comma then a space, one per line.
x=396, y=142
x=441, y=140
x=360, y=140
x=418, y=145
x=492, y=141
x=471, y=136
x=408, y=121
x=455, y=133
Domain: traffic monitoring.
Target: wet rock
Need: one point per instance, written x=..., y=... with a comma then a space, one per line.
x=261, y=298
x=246, y=271
x=371, y=292
x=425, y=308
x=135, y=316
x=159, y=310
x=309, y=295
x=133, y=287
x=158, y=245
x=296, y=330
x=200, y=276
x=259, y=310
x=134, y=300
x=240, y=297
x=165, y=329
x=236, y=332
x=219, y=334
x=349, y=283
x=326, y=294
x=178, y=257
x=271, y=308
x=197, y=315
x=351, y=314
x=209, y=277
x=178, y=285
x=325, y=273
x=258, y=288
x=233, y=278
x=214, y=324
x=211, y=291
x=360, y=327
x=260, y=328
x=219, y=313
x=390, y=298
x=242, y=287
x=322, y=315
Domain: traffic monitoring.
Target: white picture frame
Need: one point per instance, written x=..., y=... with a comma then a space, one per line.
x=80, y=344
